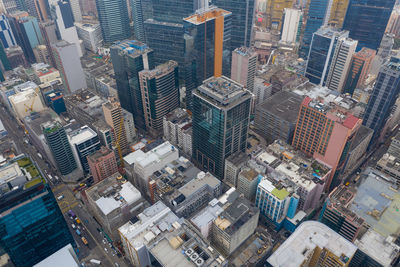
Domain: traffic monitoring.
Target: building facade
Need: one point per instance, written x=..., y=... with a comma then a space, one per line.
x=292, y=24
x=221, y=113
x=244, y=67
x=114, y=118
x=102, y=164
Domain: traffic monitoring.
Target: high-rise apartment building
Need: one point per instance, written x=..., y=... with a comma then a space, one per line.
x=364, y=15
x=48, y=30
x=102, y=164
x=57, y=141
x=32, y=225
x=38, y=9
x=129, y=58
x=160, y=94
x=221, y=110
x=325, y=131
x=69, y=65
x=244, y=67
x=90, y=34
x=113, y=116
x=207, y=37
x=114, y=20
x=291, y=27
x=242, y=20
x=383, y=98
x=345, y=48
x=322, y=49
x=6, y=34
x=8, y=6
x=275, y=9
x=337, y=12
x=76, y=10
x=359, y=69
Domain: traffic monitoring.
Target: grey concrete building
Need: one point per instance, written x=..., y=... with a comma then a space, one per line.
x=233, y=165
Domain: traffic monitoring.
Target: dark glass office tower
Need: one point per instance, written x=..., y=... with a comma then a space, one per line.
x=129, y=58
x=321, y=53
x=366, y=20
x=3, y=58
x=242, y=20
x=221, y=110
x=207, y=44
x=138, y=20
x=316, y=16
x=383, y=98
x=172, y=10
x=60, y=147
x=114, y=20
x=32, y=226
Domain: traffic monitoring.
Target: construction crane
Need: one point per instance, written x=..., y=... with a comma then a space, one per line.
x=121, y=124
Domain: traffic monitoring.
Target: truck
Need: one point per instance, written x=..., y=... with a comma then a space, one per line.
x=84, y=240
x=94, y=261
x=78, y=232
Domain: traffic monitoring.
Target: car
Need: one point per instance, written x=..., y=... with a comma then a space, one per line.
x=110, y=245
x=60, y=197
x=105, y=249
x=104, y=242
x=116, y=264
x=73, y=226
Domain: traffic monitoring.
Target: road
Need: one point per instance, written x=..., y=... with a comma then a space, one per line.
x=68, y=201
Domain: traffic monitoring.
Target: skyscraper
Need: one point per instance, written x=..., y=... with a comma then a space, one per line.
x=160, y=94
x=344, y=51
x=114, y=20
x=325, y=130
x=6, y=35
x=317, y=16
x=48, y=30
x=358, y=70
x=69, y=65
x=137, y=15
x=291, y=26
x=221, y=110
x=337, y=12
x=113, y=116
x=275, y=10
x=383, y=97
x=129, y=58
x=244, y=67
x=32, y=225
x=241, y=21
x=207, y=37
x=38, y=9
x=366, y=20
x=321, y=53
x=57, y=141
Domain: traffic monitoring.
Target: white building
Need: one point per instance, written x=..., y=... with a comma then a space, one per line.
x=25, y=102
x=76, y=10
x=244, y=66
x=140, y=165
x=67, y=33
x=344, y=51
x=64, y=257
x=262, y=90
x=177, y=127
x=129, y=125
x=69, y=65
x=291, y=24
x=90, y=34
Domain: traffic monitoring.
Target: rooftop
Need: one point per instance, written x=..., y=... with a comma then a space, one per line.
x=160, y=70
x=202, y=15
x=64, y=257
x=35, y=120
x=112, y=193
x=305, y=239
x=222, y=91
x=86, y=101
x=245, y=51
x=283, y=104
x=365, y=53
x=178, y=116
x=152, y=156
x=132, y=48
x=81, y=135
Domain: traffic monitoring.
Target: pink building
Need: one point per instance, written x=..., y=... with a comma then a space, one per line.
x=102, y=164
x=244, y=66
x=325, y=130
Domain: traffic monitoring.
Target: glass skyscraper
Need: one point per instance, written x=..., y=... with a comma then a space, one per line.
x=60, y=147
x=383, y=98
x=129, y=58
x=114, y=20
x=321, y=52
x=32, y=226
x=366, y=20
x=242, y=20
x=316, y=17
x=221, y=111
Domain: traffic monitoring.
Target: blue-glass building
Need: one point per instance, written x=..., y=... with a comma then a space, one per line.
x=383, y=98
x=32, y=226
x=316, y=17
x=58, y=143
x=242, y=20
x=321, y=52
x=138, y=20
x=129, y=58
x=221, y=114
x=114, y=20
x=6, y=33
x=366, y=20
